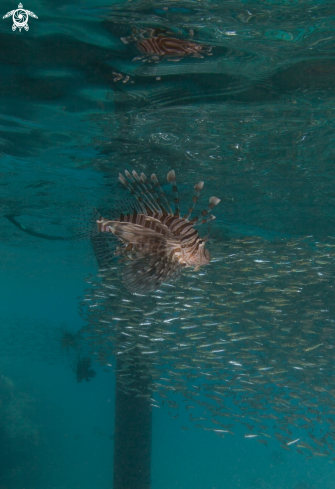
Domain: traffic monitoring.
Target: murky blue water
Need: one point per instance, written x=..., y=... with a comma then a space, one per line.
x=255, y=121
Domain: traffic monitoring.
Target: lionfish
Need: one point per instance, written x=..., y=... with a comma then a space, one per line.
x=156, y=43
x=67, y=340
x=82, y=369
x=169, y=46
x=157, y=242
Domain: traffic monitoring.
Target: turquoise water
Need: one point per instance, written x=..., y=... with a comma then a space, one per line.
x=253, y=119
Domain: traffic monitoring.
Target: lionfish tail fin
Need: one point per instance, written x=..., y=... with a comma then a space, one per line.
x=213, y=201
x=171, y=177
x=197, y=188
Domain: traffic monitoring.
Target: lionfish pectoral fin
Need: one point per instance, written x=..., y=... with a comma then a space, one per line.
x=104, y=248
x=148, y=273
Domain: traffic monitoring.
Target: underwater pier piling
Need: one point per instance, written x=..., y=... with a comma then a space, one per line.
x=132, y=434
x=133, y=417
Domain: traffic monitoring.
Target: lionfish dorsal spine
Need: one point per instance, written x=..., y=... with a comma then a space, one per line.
x=139, y=191
x=142, y=201
x=151, y=189
x=171, y=177
x=213, y=201
x=197, y=188
x=160, y=190
x=205, y=221
x=146, y=192
x=131, y=190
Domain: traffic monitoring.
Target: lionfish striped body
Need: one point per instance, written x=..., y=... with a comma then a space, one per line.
x=168, y=46
x=157, y=243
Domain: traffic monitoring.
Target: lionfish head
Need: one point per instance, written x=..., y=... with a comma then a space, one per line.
x=194, y=47
x=202, y=257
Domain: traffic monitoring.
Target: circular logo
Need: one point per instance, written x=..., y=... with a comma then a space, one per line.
x=20, y=18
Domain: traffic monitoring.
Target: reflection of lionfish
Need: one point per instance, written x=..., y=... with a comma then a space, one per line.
x=157, y=243
x=169, y=46
x=67, y=340
x=159, y=44
x=82, y=369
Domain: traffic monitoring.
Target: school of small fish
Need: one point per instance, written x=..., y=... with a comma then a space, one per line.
x=247, y=343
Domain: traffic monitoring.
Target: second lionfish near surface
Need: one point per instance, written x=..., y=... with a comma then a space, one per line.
x=158, y=43
x=157, y=242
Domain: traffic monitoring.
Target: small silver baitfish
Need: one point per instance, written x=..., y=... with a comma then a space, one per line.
x=157, y=242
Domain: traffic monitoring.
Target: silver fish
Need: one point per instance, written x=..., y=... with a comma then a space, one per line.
x=157, y=243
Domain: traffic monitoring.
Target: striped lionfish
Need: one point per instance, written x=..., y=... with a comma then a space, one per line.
x=157, y=242
x=157, y=43
x=169, y=46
